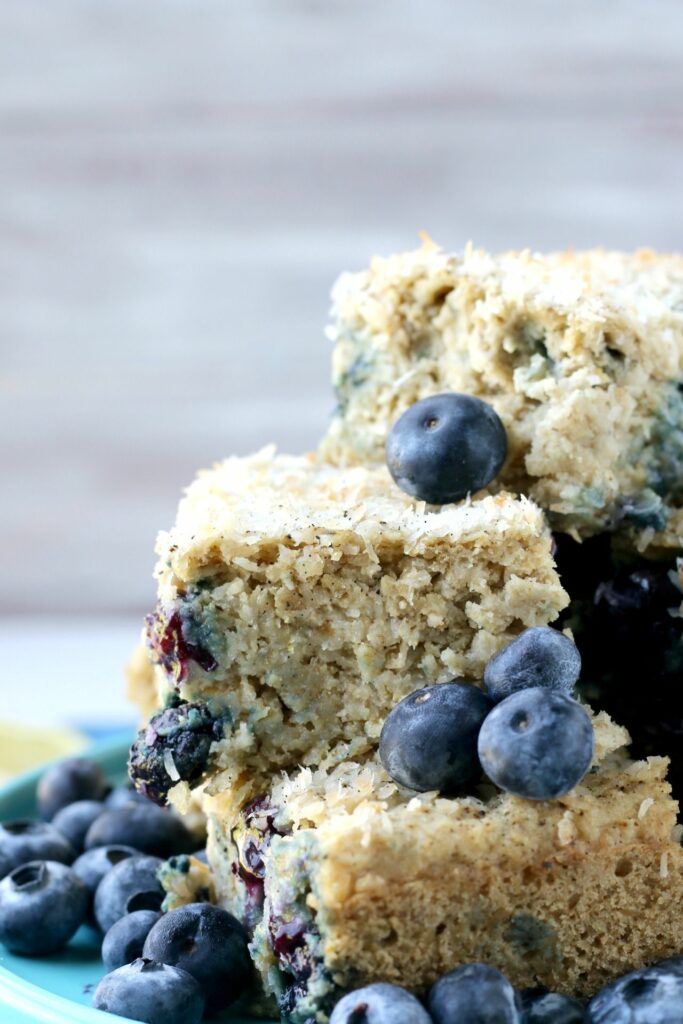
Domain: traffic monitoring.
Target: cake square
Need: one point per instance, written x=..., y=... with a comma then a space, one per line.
x=581, y=355
x=344, y=878
x=303, y=601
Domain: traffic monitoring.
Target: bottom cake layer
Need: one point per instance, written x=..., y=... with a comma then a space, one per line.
x=344, y=879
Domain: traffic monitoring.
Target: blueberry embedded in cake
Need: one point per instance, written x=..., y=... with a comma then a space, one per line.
x=580, y=354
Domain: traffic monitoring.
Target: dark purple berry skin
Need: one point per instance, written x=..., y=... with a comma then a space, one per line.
x=380, y=1003
x=26, y=839
x=133, y=884
x=93, y=865
x=475, y=993
x=445, y=447
x=125, y=939
x=167, y=637
x=42, y=905
x=178, y=738
x=74, y=820
x=150, y=992
x=148, y=829
x=652, y=995
x=624, y=619
x=208, y=943
x=251, y=837
x=121, y=796
x=539, y=1006
x=539, y=656
x=429, y=739
x=75, y=778
x=537, y=744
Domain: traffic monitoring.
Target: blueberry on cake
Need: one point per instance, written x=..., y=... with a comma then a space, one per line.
x=298, y=602
x=344, y=877
x=580, y=354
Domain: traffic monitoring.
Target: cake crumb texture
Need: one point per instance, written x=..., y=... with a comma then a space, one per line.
x=580, y=353
x=306, y=600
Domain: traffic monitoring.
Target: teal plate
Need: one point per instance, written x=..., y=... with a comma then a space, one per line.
x=56, y=989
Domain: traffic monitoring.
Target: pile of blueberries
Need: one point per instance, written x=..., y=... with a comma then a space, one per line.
x=479, y=994
x=526, y=732
x=94, y=857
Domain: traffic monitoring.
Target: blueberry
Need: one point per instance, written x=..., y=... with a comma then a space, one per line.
x=539, y=1006
x=121, y=796
x=653, y=995
x=380, y=1003
x=539, y=656
x=26, y=839
x=444, y=447
x=130, y=885
x=124, y=941
x=429, y=740
x=174, y=746
x=93, y=865
x=76, y=778
x=473, y=994
x=208, y=943
x=150, y=992
x=42, y=904
x=74, y=820
x=147, y=828
x=537, y=744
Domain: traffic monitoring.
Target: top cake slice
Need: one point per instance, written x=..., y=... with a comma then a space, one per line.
x=581, y=354
x=299, y=602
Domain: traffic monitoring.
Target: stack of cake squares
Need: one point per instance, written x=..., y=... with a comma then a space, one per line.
x=301, y=597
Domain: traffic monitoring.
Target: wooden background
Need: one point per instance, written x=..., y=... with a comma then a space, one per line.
x=180, y=183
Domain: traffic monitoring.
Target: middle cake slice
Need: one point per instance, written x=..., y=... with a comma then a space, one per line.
x=298, y=602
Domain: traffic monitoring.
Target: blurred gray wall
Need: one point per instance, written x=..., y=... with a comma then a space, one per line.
x=180, y=183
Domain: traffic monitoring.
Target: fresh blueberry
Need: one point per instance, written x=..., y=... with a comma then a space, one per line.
x=536, y=744
x=380, y=1003
x=93, y=865
x=74, y=820
x=150, y=992
x=429, y=740
x=174, y=746
x=653, y=995
x=26, y=839
x=121, y=796
x=42, y=904
x=444, y=447
x=475, y=994
x=130, y=885
x=76, y=778
x=124, y=941
x=147, y=828
x=208, y=943
x=539, y=1006
x=539, y=656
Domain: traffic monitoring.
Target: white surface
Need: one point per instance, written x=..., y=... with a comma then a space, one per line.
x=180, y=182
x=66, y=672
